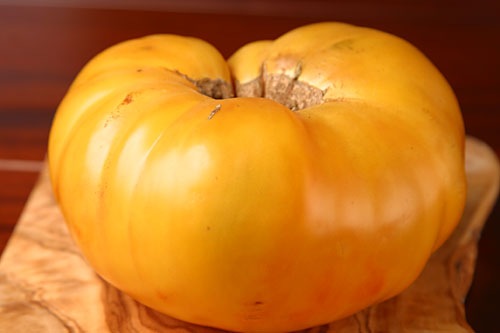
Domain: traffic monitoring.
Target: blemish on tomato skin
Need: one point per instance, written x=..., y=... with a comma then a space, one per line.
x=254, y=311
x=127, y=100
x=163, y=296
x=214, y=111
x=115, y=114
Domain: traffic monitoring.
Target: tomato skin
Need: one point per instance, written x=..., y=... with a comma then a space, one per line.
x=240, y=213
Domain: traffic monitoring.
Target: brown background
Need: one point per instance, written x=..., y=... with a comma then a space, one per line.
x=44, y=43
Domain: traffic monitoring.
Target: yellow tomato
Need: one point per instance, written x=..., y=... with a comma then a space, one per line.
x=321, y=189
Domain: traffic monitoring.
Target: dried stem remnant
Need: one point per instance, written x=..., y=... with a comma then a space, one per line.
x=292, y=93
x=218, y=89
x=215, y=88
x=286, y=90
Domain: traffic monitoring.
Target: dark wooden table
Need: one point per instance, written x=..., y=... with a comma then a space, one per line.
x=43, y=47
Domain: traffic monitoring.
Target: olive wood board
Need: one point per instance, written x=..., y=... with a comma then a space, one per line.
x=46, y=285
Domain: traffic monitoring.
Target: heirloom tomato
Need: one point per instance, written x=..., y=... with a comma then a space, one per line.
x=302, y=180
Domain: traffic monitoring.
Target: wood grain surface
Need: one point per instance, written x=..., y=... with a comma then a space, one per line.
x=46, y=285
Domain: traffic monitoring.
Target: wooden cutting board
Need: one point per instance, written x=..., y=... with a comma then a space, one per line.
x=46, y=286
